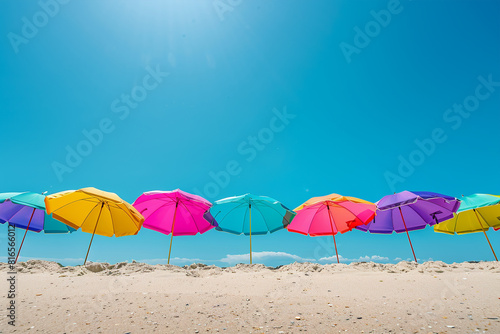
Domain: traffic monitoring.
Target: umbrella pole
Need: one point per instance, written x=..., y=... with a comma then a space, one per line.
x=172, y=232
x=479, y=220
x=408, y=234
x=26, y=231
x=333, y=233
x=93, y=233
x=250, y=212
x=335, y=243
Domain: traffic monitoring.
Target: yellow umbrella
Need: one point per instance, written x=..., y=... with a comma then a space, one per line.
x=477, y=213
x=94, y=211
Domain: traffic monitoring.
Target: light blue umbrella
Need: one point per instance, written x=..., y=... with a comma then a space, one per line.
x=249, y=214
x=27, y=211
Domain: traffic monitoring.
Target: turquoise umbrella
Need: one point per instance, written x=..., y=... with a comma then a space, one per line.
x=27, y=211
x=249, y=214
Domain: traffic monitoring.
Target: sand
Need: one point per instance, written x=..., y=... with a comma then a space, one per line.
x=432, y=297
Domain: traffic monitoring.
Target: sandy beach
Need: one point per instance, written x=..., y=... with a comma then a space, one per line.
x=432, y=297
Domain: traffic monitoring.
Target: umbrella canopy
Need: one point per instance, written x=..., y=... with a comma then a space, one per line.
x=95, y=211
x=173, y=212
x=27, y=211
x=331, y=214
x=465, y=221
x=477, y=213
x=17, y=208
x=409, y=211
x=249, y=215
x=496, y=228
x=419, y=209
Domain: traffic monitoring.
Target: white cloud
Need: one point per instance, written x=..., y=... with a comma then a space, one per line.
x=258, y=257
x=262, y=256
x=175, y=260
x=377, y=258
x=266, y=257
x=366, y=258
x=64, y=261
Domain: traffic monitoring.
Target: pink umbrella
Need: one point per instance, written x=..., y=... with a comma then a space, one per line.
x=330, y=214
x=173, y=212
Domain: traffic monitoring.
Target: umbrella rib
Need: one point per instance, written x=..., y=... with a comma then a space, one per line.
x=401, y=204
x=314, y=216
x=191, y=200
x=224, y=217
x=418, y=213
x=269, y=206
x=192, y=217
x=372, y=221
x=15, y=212
x=24, y=228
x=456, y=223
x=197, y=204
x=437, y=204
x=127, y=212
x=486, y=222
x=161, y=206
x=393, y=220
x=112, y=225
x=183, y=194
x=111, y=205
x=333, y=222
x=355, y=216
x=263, y=217
x=89, y=214
x=244, y=217
x=82, y=199
x=442, y=206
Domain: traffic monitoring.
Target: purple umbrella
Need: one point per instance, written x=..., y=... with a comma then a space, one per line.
x=409, y=211
x=27, y=211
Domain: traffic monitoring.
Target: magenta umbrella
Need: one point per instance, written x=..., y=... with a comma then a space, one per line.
x=173, y=212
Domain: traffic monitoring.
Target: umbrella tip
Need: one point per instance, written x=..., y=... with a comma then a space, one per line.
x=45, y=192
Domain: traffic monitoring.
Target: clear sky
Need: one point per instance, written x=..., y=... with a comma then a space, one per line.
x=360, y=98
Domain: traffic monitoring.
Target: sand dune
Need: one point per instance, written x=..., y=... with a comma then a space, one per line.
x=433, y=297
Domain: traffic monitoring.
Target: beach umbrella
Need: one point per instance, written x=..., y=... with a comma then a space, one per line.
x=94, y=211
x=27, y=211
x=173, y=212
x=331, y=214
x=249, y=215
x=409, y=211
x=496, y=228
x=477, y=213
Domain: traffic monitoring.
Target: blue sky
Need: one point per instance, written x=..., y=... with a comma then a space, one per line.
x=368, y=92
